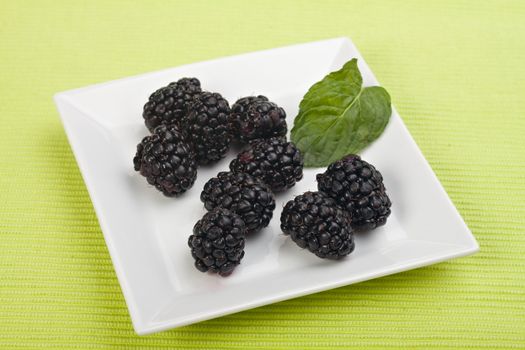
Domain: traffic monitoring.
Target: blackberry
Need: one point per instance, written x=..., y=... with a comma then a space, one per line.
x=358, y=187
x=217, y=243
x=207, y=127
x=276, y=162
x=244, y=195
x=240, y=108
x=166, y=160
x=169, y=104
x=255, y=117
x=314, y=221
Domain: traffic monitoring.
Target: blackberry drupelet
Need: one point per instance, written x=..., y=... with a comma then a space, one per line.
x=207, y=127
x=315, y=221
x=276, y=162
x=166, y=160
x=244, y=195
x=358, y=187
x=217, y=243
x=169, y=104
x=254, y=117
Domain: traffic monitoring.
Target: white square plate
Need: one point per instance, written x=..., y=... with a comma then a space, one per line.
x=147, y=233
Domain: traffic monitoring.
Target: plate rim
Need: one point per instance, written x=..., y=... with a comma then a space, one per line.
x=166, y=325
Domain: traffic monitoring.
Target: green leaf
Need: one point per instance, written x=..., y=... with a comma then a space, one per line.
x=338, y=117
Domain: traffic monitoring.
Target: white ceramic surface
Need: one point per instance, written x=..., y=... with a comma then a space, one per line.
x=147, y=233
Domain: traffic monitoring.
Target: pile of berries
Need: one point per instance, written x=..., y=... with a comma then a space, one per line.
x=191, y=127
x=351, y=196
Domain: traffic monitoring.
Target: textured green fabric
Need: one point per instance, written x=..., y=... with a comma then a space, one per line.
x=455, y=70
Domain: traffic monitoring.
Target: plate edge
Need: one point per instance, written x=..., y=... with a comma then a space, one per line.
x=151, y=329
x=212, y=59
x=60, y=99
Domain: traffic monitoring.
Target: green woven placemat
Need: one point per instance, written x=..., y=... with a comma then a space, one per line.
x=455, y=70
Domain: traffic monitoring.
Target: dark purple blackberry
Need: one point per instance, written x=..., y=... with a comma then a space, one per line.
x=166, y=160
x=276, y=162
x=315, y=221
x=240, y=108
x=207, y=127
x=169, y=104
x=254, y=117
x=244, y=195
x=358, y=187
x=217, y=243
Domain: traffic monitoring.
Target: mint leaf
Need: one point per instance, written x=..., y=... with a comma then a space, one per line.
x=337, y=116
